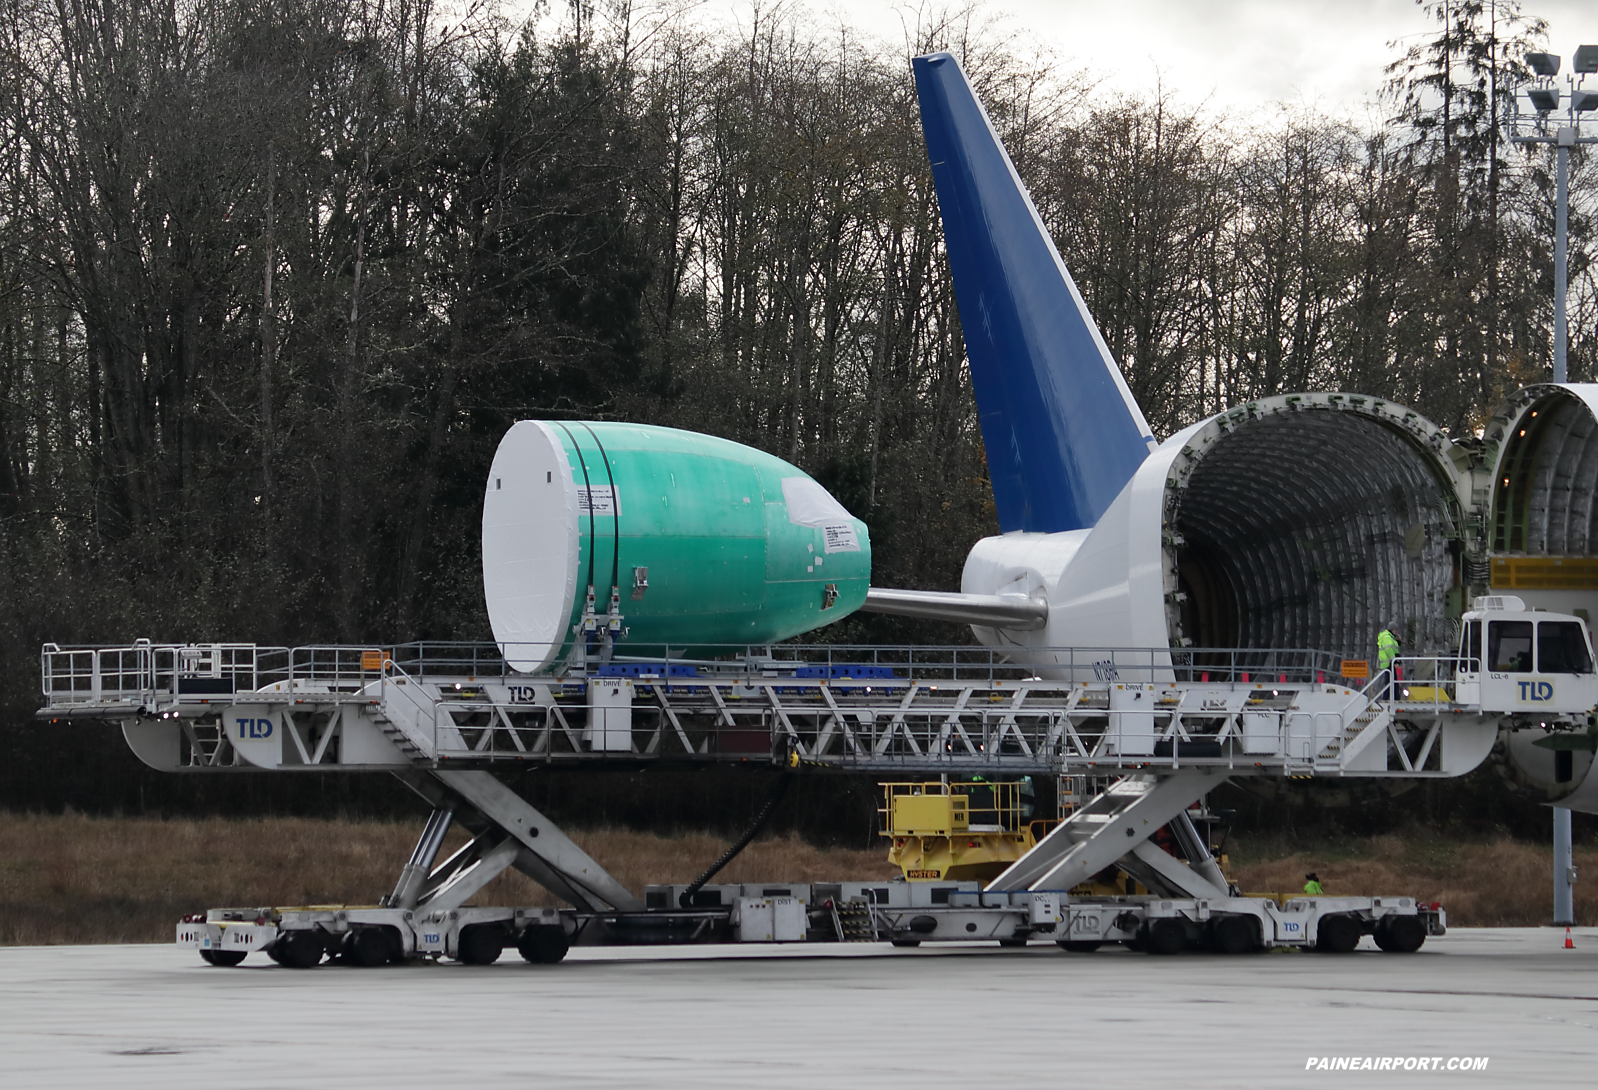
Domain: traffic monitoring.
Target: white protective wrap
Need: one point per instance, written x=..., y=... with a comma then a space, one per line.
x=530, y=548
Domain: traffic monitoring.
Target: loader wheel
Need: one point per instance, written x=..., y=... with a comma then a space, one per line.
x=300, y=949
x=1337, y=935
x=543, y=945
x=224, y=959
x=1164, y=936
x=369, y=947
x=1400, y=934
x=1233, y=935
x=480, y=944
x=1078, y=946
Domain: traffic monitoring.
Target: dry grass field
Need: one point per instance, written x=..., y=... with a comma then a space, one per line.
x=76, y=879
x=1499, y=883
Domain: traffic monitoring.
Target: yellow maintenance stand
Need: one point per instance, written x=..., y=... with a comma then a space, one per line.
x=957, y=831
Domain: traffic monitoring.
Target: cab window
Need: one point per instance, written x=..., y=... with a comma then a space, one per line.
x=1509, y=646
x=1470, y=647
x=1562, y=648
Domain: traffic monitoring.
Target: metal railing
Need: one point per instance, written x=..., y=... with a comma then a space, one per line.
x=906, y=708
x=970, y=807
x=1297, y=666
x=1427, y=680
x=144, y=671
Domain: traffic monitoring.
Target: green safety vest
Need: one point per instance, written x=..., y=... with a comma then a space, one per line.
x=1313, y=889
x=1386, y=648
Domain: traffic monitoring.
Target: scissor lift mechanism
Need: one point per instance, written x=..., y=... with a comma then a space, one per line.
x=1163, y=727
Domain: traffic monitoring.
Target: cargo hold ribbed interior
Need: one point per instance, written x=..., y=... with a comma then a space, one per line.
x=1296, y=528
x=1544, y=490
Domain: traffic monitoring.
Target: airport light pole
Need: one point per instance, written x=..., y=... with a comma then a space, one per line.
x=1555, y=117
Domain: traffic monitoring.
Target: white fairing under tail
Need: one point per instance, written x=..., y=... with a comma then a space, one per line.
x=1105, y=587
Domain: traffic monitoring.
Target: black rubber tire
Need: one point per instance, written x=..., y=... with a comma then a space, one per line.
x=1163, y=936
x=543, y=944
x=481, y=944
x=300, y=949
x=1400, y=934
x=223, y=959
x=1337, y=935
x=1234, y=935
x=274, y=953
x=1012, y=943
x=908, y=943
x=369, y=947
x=1078, y=946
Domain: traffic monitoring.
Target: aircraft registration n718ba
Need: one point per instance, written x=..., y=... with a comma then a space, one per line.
x=1307, y=520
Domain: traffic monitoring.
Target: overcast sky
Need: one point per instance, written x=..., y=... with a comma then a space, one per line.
x=1238, y=55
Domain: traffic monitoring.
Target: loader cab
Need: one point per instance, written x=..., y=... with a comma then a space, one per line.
x=1518, y=661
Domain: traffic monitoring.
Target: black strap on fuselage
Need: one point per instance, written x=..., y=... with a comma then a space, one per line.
x=589, y=488
x=615, y=512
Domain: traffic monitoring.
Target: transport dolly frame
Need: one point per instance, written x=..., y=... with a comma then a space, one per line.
x=1165, y=736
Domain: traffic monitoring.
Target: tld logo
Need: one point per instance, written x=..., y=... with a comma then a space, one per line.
x=255, y=728
x=1536, y=690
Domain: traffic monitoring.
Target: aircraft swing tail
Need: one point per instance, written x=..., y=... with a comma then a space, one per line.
x=1062, y=431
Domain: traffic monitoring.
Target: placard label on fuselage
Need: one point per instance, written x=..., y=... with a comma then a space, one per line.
x=839, y=537
x=599, y=499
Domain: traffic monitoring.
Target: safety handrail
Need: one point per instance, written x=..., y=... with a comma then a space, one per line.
x=1409, y=674
x=409, y=687
x=140, y=671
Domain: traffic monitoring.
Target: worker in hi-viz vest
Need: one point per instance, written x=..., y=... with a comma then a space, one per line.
x=1387, y=647
x=1312, y=884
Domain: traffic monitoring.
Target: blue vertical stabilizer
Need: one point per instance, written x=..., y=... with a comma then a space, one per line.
x=1062, y=431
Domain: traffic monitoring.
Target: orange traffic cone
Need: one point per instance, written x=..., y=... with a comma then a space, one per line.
x=1569, y=945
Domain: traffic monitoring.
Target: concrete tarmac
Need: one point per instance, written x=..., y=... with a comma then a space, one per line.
x=862, y=1015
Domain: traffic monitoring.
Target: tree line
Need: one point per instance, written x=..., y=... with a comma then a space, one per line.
x=276, y=276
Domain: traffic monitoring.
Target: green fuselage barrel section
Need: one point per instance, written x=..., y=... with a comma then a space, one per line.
x=709, y=542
